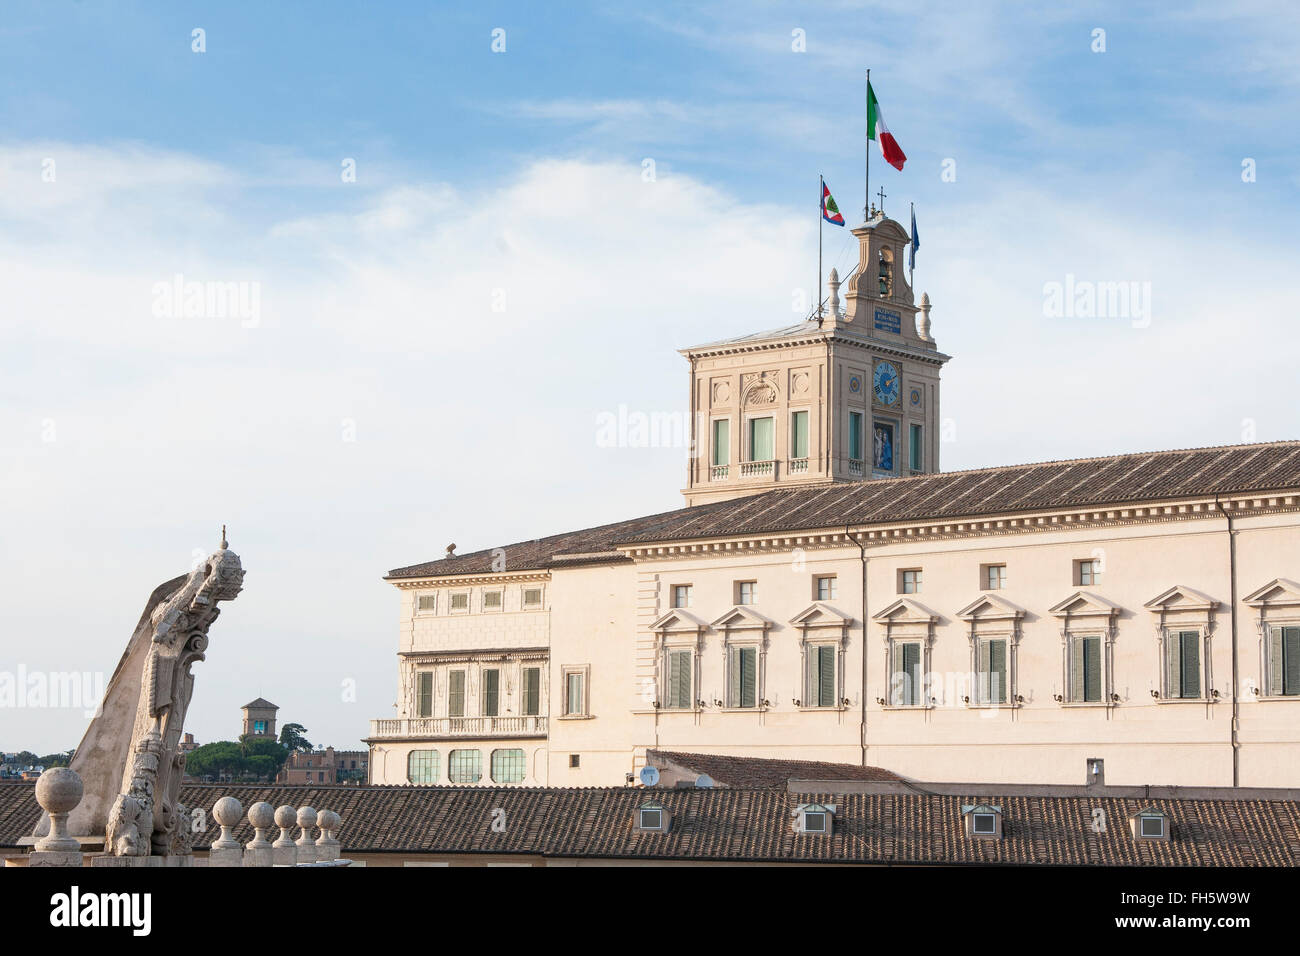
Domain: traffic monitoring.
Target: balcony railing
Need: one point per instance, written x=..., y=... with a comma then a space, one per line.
x=757, y=469
x=855, y=466
x=458, y=727
x=797, y=466
x=719, y=472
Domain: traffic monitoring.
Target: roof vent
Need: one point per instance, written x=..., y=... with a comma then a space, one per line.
x=451, y=551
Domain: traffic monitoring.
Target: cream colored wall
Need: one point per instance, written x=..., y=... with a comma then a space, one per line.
x=388, y=758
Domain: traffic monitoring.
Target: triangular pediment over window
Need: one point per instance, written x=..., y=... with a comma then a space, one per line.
x=990, y=607
x=678, y=620
x=820, y=615
x=1084, y=604
x=1179, y=598
x=740, y=617
x=1277, y=593
x=905, y=610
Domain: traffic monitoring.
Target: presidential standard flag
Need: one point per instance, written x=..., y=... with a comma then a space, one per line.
x=916, y=244
x=877, y=130
x=830, y=211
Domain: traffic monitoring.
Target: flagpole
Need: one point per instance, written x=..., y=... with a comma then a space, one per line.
x=866, y=193
x=821, y=203
x=911, y=253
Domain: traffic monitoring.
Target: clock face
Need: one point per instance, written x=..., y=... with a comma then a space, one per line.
x=885, y=383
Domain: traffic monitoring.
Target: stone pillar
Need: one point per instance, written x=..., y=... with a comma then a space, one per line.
x=258, y=851
x=306, y=849
x=327, y=848
x=284, y=853
x=58, y=791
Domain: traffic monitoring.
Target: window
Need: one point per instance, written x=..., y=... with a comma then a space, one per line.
x=906, y=684
x=825, y=587
x=1182, y=664
x=886, y=271
x=532, y=691
x=985, y=823
x=855, y=436
x=909, y=581
x=422, y=766
x=814, y=821
x=465, y=766
x=681, y=595
x=1283, y=661
x=574, y=761
x=259, y=726
x=575, y=701
x=982, y=821
x=507, y=766
x=491, y=692
x=721, y=441
x=1150, y=824
x=1153, y=827
x=746, y=592
x=1085, y=669
x=460, y=601
x=742, y=679
x=799, y=435
x=455, y=693
x=994, y=577
x=814, y=818
x=992, y=678
x=915, y=458
x=650, y=818
x=680, y=685
x=820, y=690
x=424, y=694
x=532, y=597
x=492, y=600
x=762, y=445
x=427, y=603
x=1087, y=573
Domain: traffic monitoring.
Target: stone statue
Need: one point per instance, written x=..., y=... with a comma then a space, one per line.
x=130, y=759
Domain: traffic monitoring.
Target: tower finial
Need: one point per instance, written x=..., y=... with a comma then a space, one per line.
x=224, y=545
x=834, y=283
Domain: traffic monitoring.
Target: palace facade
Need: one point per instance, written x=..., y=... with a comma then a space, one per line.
x=829, y=594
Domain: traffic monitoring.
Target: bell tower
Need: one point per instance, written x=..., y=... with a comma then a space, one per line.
x=843, y=396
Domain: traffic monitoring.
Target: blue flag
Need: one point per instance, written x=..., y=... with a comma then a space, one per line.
x=916, y=243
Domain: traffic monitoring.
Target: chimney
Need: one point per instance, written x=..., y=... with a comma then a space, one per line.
x=451, y=551
x=1096, y=773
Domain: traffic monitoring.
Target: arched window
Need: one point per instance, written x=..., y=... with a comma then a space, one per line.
x=886, y=270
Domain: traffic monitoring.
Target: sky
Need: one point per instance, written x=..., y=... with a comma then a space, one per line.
x=456, y=235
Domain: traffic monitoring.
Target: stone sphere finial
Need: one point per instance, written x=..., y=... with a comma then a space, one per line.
x=58, y=791
x=284, y=819
x=227, y=812
x=306, y=817
x=261, y=815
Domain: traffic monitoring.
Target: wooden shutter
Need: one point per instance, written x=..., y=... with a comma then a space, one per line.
x=748, y=677
x=733, y=678
x=826, y=676
x=1092, y=668
x=456, y=694
x=997, y=671
x=1290, y=661
x=1173, y=664
x=1076, y=670
x=1190, y=653
x=491, y=692
x=1275, y=686
x=912, y=673
x=679, y=679
x=424, y=695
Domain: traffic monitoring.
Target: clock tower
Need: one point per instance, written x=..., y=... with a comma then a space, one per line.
x=850, y=395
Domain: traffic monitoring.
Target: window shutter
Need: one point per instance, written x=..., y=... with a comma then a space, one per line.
x=826, y=676
x=679, y=679
x=733, y=679
x=1275, y=640
x=997, y=672
x=1092, y=668
x=424, y=695
x=456, y=694
x=748, y=677
x=1291, y=661
x=1173, y=665
x=1076, y=669
x=1189, y=642
x=491, y=692
x=532, y=691
x=982, y=672
x=912, y=673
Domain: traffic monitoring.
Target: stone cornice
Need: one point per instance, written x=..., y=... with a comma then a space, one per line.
x=1010, y=523
x=819, y=337
x=467, y=580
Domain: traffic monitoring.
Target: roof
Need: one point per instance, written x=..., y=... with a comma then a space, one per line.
x=801, y=328
x=1083, y=482
x=896, y=825
x=260, y=704
x=761, y=772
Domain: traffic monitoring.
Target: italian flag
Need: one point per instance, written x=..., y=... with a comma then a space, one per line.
x=877, y=130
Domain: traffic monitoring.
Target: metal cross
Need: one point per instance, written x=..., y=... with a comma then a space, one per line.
x=882, y=200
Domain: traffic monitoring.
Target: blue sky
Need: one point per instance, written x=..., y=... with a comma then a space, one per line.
x=127, y=438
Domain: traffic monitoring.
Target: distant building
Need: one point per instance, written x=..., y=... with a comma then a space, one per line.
x=259, y=718
x=325, y=766
x=188, y=744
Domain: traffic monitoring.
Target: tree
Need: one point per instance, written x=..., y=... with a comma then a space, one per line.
x=294, y=737
x=249, y=757
x=55, y=760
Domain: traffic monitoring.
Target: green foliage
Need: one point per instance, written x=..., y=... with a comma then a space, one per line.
x=294, y=737
x=255, y=758
x=55, y=760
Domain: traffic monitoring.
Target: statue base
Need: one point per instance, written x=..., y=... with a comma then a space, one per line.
x=140, y=861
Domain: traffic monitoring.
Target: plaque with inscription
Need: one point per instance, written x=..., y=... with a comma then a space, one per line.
x=889, y=321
